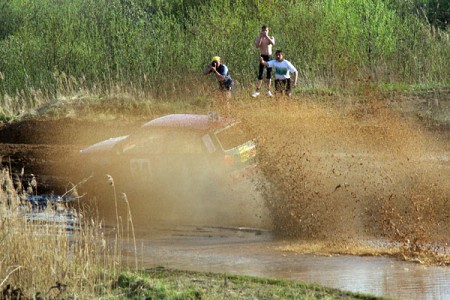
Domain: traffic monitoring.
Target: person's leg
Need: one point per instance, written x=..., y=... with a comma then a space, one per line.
x=259, y=82
x=222, y=85
x=229, y=84
x=269, y=83
x=279, y=86
x=288, y=87
x=268, y=75
x=282, y=86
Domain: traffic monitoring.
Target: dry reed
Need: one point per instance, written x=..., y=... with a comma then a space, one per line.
x=52, y=252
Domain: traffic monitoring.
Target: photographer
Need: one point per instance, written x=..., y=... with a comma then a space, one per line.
x=221, y=71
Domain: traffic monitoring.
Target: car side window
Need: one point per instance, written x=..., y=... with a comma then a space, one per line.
x=148, y=143
x=164, y=142
x=183, y=143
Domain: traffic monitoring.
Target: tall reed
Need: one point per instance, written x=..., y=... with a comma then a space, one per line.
x=42, y=254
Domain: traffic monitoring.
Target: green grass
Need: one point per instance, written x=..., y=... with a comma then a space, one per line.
x=156, y=45
x=162, y=283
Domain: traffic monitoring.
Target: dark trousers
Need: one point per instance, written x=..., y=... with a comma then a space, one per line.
x=261, y=68
x=283, y=85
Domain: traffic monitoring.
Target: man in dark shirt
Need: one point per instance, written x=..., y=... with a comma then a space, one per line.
x=221, y=71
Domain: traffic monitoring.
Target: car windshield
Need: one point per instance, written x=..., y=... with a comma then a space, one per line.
x=232, y=136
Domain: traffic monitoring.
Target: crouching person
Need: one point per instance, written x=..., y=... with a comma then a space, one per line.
x=222, y=74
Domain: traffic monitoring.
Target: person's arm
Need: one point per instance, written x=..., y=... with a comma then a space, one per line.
x=295, y=78
x=219, y=76
x=293, y=70
x=212, y=69
x=271, y=40
x=258, y=41
x=207, y=70
x=262, y=62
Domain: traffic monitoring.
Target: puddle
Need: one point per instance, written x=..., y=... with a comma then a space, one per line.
x=63, y=219
x=254, y=252
x=43, y=210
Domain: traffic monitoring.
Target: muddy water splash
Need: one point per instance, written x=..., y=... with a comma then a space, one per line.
x=360, y=173
x=335, y=176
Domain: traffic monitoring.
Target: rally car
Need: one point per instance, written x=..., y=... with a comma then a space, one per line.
x=176, y=149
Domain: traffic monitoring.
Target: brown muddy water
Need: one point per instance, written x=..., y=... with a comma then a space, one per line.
x=361, y=181
x=255, y=252
x=346, y=180
x=234, y=233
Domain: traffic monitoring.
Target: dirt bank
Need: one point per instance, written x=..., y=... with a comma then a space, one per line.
x=49, y=148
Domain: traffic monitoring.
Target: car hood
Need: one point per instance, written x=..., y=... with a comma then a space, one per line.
x=103, y=146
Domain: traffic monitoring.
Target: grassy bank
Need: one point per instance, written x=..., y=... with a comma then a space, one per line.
x=174, y=284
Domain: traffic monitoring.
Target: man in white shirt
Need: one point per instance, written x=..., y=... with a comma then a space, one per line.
x=283, y=68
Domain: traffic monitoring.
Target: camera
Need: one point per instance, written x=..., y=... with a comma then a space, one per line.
x=214, y=64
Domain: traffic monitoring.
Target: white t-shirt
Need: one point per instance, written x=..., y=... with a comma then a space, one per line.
x=282, y=69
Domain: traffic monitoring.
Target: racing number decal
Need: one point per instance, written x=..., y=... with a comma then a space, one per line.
x=140, y=169
x=246, y=152
x=243, y=153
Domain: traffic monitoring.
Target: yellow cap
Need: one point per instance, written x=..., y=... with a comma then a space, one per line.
x=216, y=58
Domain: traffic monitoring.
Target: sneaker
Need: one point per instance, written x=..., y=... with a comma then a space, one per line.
x=269, y=94
x=255, y=94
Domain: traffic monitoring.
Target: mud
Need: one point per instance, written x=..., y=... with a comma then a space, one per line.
x=327, y=173
x=49, y=148
x=340, y=175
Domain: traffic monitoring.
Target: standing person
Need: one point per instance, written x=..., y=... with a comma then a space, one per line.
x=220, y=70
x=283, y=68
x=264, y=43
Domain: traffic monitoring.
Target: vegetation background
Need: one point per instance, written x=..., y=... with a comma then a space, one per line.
x=158, y=48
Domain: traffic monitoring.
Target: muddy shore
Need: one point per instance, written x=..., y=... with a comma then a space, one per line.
x=49, y=148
